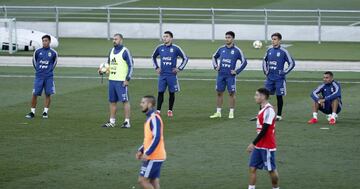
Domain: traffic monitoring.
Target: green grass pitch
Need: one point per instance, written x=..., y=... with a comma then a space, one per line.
x=70, y=150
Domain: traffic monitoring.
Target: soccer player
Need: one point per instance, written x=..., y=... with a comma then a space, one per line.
x=168, y=70
x=263, y=147
x=44, y=62
x=120, y=71
x=152, y=152
x=275, y=70
x=327, y=98
x=225, y=63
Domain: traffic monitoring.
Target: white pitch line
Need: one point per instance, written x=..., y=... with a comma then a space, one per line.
x=181, y=79
x=121, y=3
x=355, y=23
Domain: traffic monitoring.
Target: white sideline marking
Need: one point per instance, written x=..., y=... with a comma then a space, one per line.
x=121, y=3
x=181, y=79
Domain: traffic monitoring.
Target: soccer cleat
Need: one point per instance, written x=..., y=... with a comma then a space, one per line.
x=215, y=115
x=278, y=118
x=158, y=112
x=332, y=121
x=125, y=125
x=45, y=115
x=30, y=115
x=253, y=119
x=108, y=125
x=231, y=115
x=170, y=113
x=312, y=121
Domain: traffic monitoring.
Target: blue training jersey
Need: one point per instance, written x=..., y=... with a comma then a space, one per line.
x=328, y=91
x=168, y=58
x=127, y=57
x=44, y=62
x=227, y=58
x=274, y=63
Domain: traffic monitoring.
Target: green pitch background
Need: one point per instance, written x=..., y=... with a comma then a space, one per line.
x=70, y=150
x=205, y=48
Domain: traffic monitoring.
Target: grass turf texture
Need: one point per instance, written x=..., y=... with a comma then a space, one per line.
x=70, y=150
x=205, y=48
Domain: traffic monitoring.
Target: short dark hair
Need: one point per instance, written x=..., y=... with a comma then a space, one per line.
x=120, y=35
x=46, y=36
x=264, y=91
x=329, y=73
x=231, y=33
x=151, y=99
x=277, y=34
x=170, y=33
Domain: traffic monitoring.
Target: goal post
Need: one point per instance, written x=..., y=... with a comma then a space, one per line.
x=8, y=35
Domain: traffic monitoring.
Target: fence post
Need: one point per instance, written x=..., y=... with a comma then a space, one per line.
x=57, y=21
x=5, y=11
x=160, y=23
x=108, y=23
x=319, y=26
x=212, y=24
x=11, y=27
x=266, y=25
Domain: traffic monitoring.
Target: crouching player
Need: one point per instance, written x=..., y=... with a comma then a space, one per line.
x=44, y=62
x=327, y=98
x=152, y=152
x=263, y=148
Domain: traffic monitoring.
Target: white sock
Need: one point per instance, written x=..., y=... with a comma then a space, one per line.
x=276, y=188
x=218, y=110
x=231, y=110
x=251, y=187
x=315, y=115
x=112, y=120
x=46, y=110
x=32, y=110
x=127, y=120
x=333, y=115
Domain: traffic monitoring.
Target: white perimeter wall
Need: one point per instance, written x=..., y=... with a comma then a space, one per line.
x=195, y=31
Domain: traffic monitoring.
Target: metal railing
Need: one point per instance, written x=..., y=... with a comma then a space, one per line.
x=161, y=15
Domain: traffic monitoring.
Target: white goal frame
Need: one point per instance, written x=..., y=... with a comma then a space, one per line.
x=10, y=41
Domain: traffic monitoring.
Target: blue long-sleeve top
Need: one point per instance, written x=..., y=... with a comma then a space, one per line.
x=155, y=127
x=227, y=58
x=274, y=63
x=44, y=62
x=328, y=91
x=168, y=58
x=127, y=57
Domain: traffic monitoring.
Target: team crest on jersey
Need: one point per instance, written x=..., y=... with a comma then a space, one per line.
x=232, y=52
x=223, y=51
x=171, y=50
x=278, y=54
x=49, y=54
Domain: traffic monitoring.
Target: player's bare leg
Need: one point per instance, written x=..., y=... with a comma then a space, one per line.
x=126, y=123
x=315, y=109
x=33, y=106
x=252, y=177
x=219, y=104
x=113, y=109
x=334, y=107
x=47, y=102
x=145, y=183
x=155, y=183
x=274, y=176
x=232, y=99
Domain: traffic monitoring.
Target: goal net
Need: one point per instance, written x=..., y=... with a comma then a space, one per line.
x=8, y=37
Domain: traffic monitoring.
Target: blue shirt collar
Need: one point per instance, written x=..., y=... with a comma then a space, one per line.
x=118, y=47
x=149, y=112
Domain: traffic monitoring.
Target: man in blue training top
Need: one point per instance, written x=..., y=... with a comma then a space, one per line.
x=168, y=69
x=327, y=98
x=275, y=70
x=44, y=62
x=225, y=63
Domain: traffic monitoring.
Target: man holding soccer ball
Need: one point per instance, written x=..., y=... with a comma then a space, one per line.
x=120, y=70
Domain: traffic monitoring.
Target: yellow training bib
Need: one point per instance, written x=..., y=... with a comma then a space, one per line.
x=118, y=66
